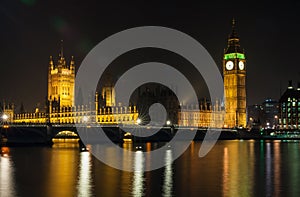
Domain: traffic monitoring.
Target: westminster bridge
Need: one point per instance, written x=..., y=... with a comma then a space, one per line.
x=23, y=134
x=43, y=134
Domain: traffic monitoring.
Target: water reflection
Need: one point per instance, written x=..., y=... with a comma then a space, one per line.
x=225, y=171
x=168, y=175
x=270, y=167
x=84, y=186
x=138, y=175
x=62, y=169
x=238, y=168
x=4, y=151
x=293, y=168
x=127, y=162
x=6, y=174
x=232, y=168
x=268, y=159
x=276, y=171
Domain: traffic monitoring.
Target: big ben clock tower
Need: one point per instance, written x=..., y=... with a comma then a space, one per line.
x=234, y=72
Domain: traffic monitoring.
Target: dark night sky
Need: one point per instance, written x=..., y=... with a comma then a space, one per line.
x=32, y=29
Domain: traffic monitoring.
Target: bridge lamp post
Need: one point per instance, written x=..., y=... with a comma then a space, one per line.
x=276, y=121
x=138, y=121
x=168, y=123
x=85, y=119
x=4, y=117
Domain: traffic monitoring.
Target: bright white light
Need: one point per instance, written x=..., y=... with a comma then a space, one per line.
x=138, y=121
x=85, y=118
x=84, y=185
x=168, y=122
x=168, y=174
x=7, y=176
x=4, y=117
x=138, y=176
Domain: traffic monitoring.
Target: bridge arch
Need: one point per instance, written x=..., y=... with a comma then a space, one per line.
x=66, y=134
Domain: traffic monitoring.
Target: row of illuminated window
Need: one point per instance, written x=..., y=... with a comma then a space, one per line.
x=67, y=115
x=65, y=90
x=293, y=109
x=114, y=119
x=100, y=120
x=294, y=103
x=291, y=115
x=289, y=121
x=292, y=99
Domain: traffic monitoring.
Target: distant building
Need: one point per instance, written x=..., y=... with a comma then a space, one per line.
x=149, y=94
x=289, y=108
x=203, y=116
x=255, y=116
x=270, y=109
x=264, y=115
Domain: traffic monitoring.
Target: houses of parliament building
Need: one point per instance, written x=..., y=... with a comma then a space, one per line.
x=61, y=109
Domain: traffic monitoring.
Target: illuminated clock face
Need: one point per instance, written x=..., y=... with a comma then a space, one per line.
x=241, y=65
x=229, y=65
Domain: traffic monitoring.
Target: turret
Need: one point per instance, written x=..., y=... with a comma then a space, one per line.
x=72, y=65
x=51, y=65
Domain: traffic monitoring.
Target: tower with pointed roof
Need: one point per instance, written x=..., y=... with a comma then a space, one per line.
x=234, y=73
x=61, y=81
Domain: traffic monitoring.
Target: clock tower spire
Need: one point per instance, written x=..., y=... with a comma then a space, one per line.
x=234, y=72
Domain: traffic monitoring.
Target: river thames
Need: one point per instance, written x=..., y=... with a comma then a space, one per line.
x=231, y=168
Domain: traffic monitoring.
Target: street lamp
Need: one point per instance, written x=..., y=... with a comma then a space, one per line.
x=138, y=121
x=276, y=121
x=268, y=125
x=168, y=122
x=85, y=119
x=4, y=117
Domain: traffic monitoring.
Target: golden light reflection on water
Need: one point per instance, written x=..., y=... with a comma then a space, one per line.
x=65, y=143
x=63, y=169
x=225, y=171
x=238, y=168
x=232, y=168
x=127, y=154
x=6, y=174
